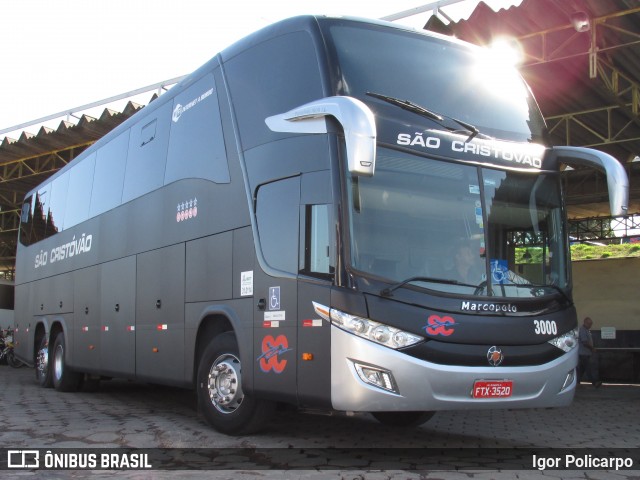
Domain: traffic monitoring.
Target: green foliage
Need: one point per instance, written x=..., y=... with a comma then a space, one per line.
x=585, y=251
x=581, y=251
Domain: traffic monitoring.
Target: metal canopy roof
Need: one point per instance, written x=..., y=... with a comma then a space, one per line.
x=27, y=161
x=586, y=82
x=582, y=61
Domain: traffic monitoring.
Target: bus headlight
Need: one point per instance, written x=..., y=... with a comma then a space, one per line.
x=363, y=327
x=566, y=342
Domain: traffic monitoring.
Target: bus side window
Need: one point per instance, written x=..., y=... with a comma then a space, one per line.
x=196, y=143
x=277, y=214
x=57, y=204
x=316, y=217
x=315, y=257
x=108, y=178
x=79, y=192
x=287, y=67
x=146, y=159
x=40, y=210
x=26, y=222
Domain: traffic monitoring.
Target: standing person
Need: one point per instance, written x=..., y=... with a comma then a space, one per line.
x=585, y=353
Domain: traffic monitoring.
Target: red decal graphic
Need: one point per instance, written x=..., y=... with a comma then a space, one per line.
x=271, y=349
x=440, y=325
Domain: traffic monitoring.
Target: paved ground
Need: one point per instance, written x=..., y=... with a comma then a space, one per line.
x=124, y=414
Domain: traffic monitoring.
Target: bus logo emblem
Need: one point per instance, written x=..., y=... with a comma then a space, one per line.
x=437, y=325
x=272, y=349
x=494, y=356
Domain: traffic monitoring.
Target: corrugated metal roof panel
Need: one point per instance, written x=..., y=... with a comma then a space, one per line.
x=557, y=65
x=67, y=134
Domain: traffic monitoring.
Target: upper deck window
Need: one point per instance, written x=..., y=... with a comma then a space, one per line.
x=450, y=78
x=147, y=157
x=196, y=144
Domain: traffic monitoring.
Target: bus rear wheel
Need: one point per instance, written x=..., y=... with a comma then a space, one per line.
x=220, y=396
x=403, y=419
x=63, y=379
x=43, y=372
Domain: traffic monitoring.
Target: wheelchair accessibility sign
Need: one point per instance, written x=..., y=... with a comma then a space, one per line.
x=274, y=315
x=274, y=298
x=500, y=272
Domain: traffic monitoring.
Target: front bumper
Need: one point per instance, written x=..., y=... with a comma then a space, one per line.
x=425, y=386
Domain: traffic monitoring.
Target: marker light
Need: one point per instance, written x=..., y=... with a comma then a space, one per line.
x=363, y=327
x=566, y=342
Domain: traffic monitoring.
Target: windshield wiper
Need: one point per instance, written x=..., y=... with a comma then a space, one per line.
x=407, y=105
x=387, y=292
x=538, y=287
x=425, y=112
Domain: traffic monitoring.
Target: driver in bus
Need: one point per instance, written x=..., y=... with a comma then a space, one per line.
x=465, y=267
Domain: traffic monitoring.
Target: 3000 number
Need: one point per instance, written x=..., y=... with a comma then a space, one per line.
x=545, y=327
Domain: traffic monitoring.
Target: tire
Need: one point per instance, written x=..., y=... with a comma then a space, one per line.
x=219, y=386
x=403, y=419
x=43, y=372
x=64, y=379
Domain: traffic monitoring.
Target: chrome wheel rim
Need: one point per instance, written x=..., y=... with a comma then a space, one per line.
x=58, y=365
x=42, y=361
x=224, y=384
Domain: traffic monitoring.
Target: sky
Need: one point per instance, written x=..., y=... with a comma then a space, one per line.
x=58, y=55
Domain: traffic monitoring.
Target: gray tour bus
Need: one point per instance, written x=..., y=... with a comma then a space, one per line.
x=331, y=213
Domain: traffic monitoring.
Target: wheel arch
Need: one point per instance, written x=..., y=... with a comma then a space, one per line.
x=220, y=319
x=41, y=331
x=57, y=326
x=49, y=328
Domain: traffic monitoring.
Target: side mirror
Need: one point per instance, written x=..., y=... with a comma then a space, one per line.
x=357, y=122
x=617, y=180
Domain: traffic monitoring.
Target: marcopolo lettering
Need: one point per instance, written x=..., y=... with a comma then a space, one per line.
x=488, y=307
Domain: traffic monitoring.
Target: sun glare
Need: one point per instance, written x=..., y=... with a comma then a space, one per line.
x=506, y=51
x=496, y=71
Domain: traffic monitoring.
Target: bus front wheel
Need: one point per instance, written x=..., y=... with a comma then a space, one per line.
x=220, y=396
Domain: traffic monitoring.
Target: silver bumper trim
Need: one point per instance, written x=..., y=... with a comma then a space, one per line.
x=425, y=386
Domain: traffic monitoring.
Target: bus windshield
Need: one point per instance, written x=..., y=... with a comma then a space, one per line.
x=458, y=229
x=469, y=84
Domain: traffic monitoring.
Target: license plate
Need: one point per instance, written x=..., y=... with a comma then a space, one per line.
x=492, y=388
